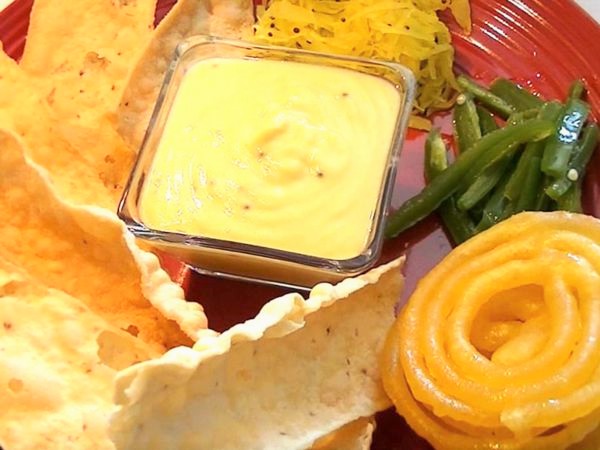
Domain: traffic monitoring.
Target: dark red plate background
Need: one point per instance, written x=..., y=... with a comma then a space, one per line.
x=543, y=44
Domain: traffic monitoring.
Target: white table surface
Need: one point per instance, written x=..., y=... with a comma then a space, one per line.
x=591, y=6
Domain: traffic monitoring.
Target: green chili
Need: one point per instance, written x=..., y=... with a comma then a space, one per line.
x=485, y=182
x=447, y=182
x=531, y=185
x=488, y=162
x=521, y=116
x=571, y=200
x=561, y=145
x=496, y=209
x=549, y=111
x=485, y=97
x=581, y=155
x=487, y=122
x=542, y=201
x=436, y=160
x=576, y=89
x=466, y=123
x=456, y=222
x=520, y=99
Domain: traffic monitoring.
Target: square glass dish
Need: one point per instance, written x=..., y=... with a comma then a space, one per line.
x=270, y=164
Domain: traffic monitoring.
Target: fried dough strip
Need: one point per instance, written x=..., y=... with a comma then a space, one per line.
x=499, y=346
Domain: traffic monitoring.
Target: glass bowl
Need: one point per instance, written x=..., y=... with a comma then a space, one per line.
x=249, y=260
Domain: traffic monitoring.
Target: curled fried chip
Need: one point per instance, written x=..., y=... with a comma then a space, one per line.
x=86, y=252
x=82, y=52
x=87, y=164
x=499, y=346
x=223, y=18
x=298, y=371
x=58, y=360
x=63, y=98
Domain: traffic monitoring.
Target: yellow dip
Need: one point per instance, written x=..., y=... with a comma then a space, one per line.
x=278, y=154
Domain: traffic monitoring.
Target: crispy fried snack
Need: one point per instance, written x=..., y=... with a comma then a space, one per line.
x=58, y=360
x=87, y=253
x=83, y=51
x=86, y=163
x=299, y=370
x=499, y=346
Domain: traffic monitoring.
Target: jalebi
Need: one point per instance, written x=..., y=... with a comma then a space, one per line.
x=499, y=346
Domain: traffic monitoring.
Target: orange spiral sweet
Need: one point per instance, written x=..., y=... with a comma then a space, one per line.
x=499, y=346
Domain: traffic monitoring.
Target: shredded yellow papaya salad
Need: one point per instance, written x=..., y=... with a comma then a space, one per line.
x=404, y=31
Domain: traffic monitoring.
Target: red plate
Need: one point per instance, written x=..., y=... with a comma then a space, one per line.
x=544, y=44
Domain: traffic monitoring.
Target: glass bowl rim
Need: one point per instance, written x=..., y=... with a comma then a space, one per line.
x=373, y=246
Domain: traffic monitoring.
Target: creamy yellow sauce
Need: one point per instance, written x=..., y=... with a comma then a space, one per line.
x=278, y=154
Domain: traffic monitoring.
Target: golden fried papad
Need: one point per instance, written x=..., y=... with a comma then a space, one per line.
x=499, y=345
x=58, y=360
x=83, y=52
x=225, y=18
x=356, y=435
x=87, y=252
x=298, y=371
x=87, y=164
